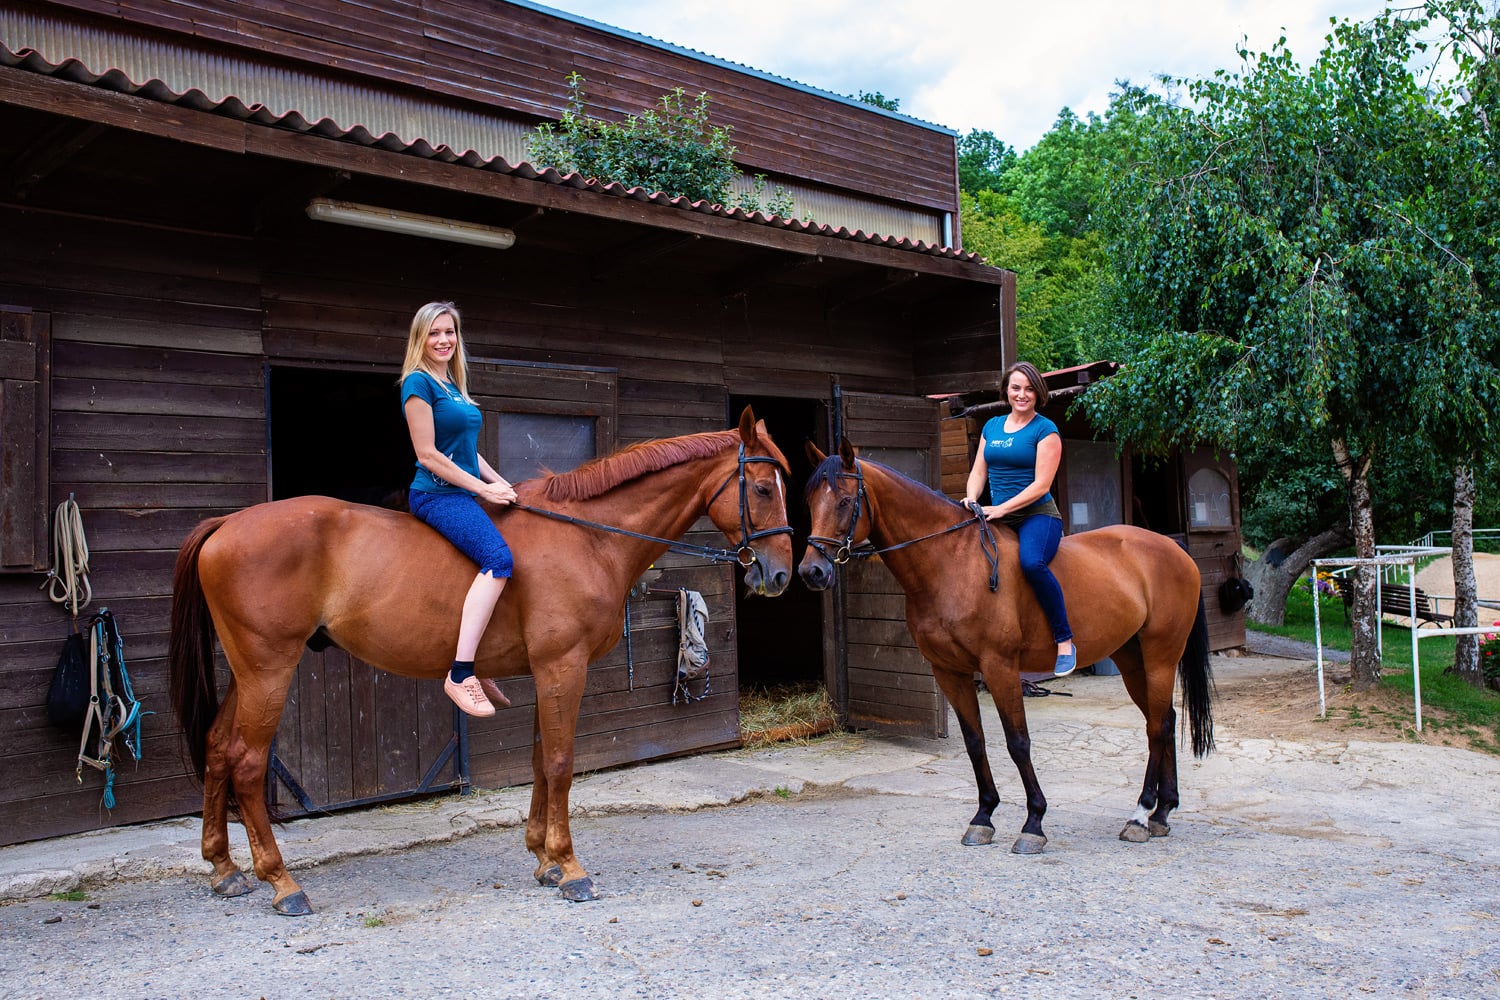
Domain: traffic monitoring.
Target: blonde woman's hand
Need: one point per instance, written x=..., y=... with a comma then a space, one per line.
x=502, y=493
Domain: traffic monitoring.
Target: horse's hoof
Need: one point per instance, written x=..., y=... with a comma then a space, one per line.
x=1157, y=828
x=978, y=836
x=1029, y=843
x=234, y=884
x=295, y=905
x=580, y=890
x=551, y=878
x=1135, y=833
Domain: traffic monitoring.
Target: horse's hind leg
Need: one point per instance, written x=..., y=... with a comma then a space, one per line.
x=958, y=688
x=1159, y=789
x=263, y=675
x=227, y=879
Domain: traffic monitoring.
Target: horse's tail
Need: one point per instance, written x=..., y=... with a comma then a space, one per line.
x=190, y=653
x=1198, y=684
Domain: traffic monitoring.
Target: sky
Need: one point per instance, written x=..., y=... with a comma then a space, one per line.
x=996, y=65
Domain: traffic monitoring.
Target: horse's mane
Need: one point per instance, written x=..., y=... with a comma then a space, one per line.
x=828, y=472
x=633, y=461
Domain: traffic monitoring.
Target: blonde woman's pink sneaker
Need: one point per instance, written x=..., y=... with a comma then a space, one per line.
x=468, y=695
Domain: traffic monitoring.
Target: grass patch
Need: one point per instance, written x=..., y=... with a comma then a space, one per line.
x=1468, y=710
x=70, y=896
x=788, y=712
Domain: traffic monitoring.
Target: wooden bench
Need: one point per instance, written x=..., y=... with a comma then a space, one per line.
x=1395, y=599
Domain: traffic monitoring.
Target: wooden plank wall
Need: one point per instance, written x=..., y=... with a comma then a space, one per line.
x=516, y=58
x=157, y=422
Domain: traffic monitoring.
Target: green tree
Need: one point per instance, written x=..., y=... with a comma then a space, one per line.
x=982, y=162
x=1059, y=279
x=878, y=100
x=1286, y=268
x=1066, y=177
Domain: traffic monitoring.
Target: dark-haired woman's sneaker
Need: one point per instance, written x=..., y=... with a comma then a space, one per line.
x=1066, y=662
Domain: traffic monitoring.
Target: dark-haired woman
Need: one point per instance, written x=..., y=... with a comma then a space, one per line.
x=1018, y=460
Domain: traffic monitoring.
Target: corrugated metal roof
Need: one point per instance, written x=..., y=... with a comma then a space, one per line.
x=702, y=56
x=336, y=107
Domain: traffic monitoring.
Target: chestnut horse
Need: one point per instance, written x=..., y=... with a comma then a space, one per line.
x=388, y=589
x=1131, y=594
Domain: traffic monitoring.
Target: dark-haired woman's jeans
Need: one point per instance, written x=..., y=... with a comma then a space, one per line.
x=1040, y=535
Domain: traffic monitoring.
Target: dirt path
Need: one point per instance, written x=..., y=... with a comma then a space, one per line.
x=1276, y=696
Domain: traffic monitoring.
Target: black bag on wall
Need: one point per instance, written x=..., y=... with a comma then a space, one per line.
x=68, y=696
x=1235, y=592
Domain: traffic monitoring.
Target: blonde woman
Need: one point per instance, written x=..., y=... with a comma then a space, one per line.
x=444, y=424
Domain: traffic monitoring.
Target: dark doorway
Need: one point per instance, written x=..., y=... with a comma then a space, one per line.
x=780, y=641
x=338, y=434
x=1156, y=503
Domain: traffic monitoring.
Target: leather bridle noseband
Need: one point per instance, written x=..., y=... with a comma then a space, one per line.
x=748, y=533
x=743, y=554
x=845, y=550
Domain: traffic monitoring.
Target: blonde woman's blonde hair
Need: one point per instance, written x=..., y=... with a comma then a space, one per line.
x=416, y=344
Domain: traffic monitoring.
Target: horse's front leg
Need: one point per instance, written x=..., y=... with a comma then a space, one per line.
x=548, y=871
x=1004, y=682
x=559, y=693
x=958, y=688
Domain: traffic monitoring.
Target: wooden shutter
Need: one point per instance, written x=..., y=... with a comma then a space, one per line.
x=25, y=421
x=891, y=687
x=502, y=387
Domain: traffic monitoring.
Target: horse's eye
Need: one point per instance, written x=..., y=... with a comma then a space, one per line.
x=761, y=491
x=844, y=502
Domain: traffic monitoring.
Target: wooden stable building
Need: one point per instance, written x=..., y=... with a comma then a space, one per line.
x=181, y=338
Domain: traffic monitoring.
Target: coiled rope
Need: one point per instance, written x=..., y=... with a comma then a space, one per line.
x=67, y=582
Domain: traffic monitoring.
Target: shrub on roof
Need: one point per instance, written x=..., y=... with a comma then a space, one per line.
x=672, y=148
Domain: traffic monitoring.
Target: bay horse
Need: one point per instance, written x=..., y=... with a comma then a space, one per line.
x=1131, y=594
x=388, y=589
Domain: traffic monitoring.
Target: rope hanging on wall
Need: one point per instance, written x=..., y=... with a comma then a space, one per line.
x=67, y=582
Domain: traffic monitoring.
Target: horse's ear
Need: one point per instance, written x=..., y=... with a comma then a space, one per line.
x=814, y=454
x=748, y=426
x=847, y=452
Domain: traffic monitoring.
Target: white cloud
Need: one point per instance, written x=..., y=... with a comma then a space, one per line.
x=1007, y=67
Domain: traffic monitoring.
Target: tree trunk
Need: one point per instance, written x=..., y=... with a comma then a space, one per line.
x=1364, y=658
x=1465, y=586
x=1273, y=583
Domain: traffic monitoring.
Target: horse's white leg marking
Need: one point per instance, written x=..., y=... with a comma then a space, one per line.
x=1141, y=815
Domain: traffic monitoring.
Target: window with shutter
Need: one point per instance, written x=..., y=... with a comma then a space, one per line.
x=25, y=421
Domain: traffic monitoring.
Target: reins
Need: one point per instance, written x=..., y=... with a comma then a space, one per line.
x=845, y=549
x=744, y=554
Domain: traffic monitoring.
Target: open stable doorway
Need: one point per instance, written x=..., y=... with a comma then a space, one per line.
x=780, y=640
x=338, y=434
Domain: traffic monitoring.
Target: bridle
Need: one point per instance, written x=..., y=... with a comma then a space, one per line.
x=748, y=533
x=743, y=553
x=844, y=549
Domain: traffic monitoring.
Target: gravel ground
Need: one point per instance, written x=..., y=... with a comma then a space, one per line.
x=1293, y=870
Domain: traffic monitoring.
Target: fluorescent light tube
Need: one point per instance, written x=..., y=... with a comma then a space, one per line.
x=391, y=220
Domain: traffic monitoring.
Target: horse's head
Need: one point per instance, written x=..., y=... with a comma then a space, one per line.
x=836, y=498
x=750, y=508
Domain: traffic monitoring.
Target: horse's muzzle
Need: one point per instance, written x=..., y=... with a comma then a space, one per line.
x=766, y=582
x=816, y=571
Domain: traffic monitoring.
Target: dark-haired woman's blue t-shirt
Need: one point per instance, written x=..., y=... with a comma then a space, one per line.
x=1011, y=458
x=456, y=423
